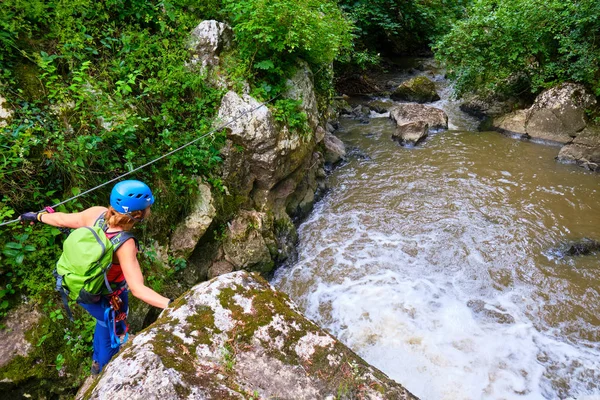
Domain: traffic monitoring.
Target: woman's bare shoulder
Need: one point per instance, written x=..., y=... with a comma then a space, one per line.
x=90, y=215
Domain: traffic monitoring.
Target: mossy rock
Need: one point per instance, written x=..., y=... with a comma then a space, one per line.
x=420, y=90
x=234, y=337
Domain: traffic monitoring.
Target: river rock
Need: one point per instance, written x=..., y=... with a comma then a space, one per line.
x=512, y=123
x=13, y=336
x=405, y=113
x=584, y=150
x=249, y=242
x=188, y=232
x=558, y=114
x=380, y=106
x=335, y=150
x=234, y=337
x=5, y=113
x=419, y=89
x=487, y=106
x=411, y=133
x=207, y=41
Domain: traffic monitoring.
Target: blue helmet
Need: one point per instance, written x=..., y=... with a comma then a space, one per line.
x=129, y=196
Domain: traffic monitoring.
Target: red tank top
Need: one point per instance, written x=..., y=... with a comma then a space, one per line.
x=114, y=273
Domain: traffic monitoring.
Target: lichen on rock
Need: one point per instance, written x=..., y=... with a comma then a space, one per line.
x=233, y=337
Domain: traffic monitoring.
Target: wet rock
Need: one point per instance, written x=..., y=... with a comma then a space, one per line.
x=249, y=242
x=481, y=309
x=512, y=123
x=330, y=128
x=5, y=113
x=410, y=112
x=584, y=150
x=320, y=134
x=206, y=43
x=362, y=113
x=187, y=234
x=235, y=337
x=420, y=89
x=357, y=153
x=558, y=114
x=342, y=106
x=335, y=150
x=380, y=106
x=581, y=247
x=13, y=337
x=411, y=133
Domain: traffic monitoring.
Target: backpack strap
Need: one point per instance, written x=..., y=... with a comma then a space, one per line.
x=121, y=237
x=101, y=222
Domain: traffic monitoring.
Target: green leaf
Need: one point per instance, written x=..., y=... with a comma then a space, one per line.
x=13, y=245
x=19, y=258
x=265, y=65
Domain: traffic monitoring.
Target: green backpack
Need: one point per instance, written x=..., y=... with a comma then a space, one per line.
x=81, y=271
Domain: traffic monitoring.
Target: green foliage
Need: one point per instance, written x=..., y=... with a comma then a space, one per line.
x=520, y=45
x=392, y=26
x=271, y=35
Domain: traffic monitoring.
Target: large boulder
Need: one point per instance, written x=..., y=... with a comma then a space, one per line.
x=584, y=150
x=411, y=133
x=234, y=337
x=512, y=123
x=558, y=114
x=188, y=232
x=207, y=41
x=5, y=113
x=420, y=89
x=410, y=112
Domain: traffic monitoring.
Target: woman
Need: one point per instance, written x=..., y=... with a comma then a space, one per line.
x=130, y=203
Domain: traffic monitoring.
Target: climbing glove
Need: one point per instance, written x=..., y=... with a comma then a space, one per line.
x=33, y=216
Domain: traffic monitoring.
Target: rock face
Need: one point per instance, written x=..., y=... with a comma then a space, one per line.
x=234, y=338
x=409, y=112
x=5, y=113
x=12, y=337
x=250, y=241
x=584, y=150
x=187, y=234
x=557, y=115
x=207, y=41
x=420, y=89
x=411, y=133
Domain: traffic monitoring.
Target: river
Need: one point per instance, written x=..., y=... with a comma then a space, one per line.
x=438, y=264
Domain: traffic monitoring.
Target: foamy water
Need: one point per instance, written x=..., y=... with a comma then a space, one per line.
x=433, y=264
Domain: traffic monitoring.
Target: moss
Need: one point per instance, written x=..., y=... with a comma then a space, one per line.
x=36, y=374
x=203, y=321
x=26, y=76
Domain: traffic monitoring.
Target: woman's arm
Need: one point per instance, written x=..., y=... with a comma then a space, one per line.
x=73, y=220
x=127, y=255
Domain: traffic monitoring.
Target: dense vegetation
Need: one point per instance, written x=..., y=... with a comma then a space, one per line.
x=524, y=46
x=98, y=88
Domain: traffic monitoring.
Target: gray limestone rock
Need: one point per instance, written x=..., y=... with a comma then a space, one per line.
x=411, y=133
x=410, y=112
x=207, y=41
x=234, y=337
x=419, y=89
x=17, y=324
x=187, y=234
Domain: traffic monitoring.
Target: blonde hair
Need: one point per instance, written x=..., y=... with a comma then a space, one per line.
x=115, y=219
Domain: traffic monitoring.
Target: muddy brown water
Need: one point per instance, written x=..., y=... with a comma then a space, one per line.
x=441, y=264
